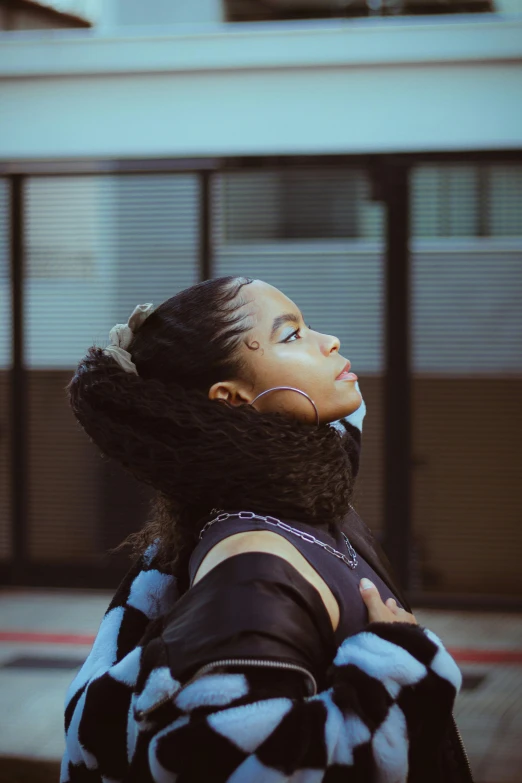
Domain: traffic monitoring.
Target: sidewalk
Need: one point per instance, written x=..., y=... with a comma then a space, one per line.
x=45, y=635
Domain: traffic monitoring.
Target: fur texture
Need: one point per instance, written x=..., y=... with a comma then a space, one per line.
x=127, y=719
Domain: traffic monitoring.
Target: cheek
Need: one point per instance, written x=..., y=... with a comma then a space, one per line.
x=267, y=373
x=300, y=370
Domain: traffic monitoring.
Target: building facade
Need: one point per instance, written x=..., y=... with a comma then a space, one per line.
x=370, y=167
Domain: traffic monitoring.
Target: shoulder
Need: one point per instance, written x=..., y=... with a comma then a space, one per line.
x=274, y=544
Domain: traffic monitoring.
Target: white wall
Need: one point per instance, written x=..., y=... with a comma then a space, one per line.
x=160, y=12
x=345, y=87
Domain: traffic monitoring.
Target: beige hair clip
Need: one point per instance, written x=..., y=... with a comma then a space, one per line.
x=122, y=334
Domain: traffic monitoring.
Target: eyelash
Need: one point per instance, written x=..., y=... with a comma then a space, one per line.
x=287, y=339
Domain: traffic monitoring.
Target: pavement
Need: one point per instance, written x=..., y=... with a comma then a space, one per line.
x=45, y=635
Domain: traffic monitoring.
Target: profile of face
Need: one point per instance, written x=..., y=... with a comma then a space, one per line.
x=281, y=350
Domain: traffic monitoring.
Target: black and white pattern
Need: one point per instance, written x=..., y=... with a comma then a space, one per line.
x=127, y=719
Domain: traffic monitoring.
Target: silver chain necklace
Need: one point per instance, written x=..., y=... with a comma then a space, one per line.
x=351, y=561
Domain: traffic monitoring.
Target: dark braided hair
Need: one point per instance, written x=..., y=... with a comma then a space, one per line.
x=197, y=453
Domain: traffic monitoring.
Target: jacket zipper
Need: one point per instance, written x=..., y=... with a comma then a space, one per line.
x=249, y=662
x=459, y=737
x=231, y=662
x=464, y=752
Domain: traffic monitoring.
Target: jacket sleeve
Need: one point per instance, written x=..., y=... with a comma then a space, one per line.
x=260, y=694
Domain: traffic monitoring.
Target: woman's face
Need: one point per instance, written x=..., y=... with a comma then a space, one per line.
x=284, y=351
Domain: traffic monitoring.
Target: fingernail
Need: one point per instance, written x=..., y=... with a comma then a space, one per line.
x=365, y=584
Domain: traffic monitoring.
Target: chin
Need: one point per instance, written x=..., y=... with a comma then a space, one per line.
x=352, y=403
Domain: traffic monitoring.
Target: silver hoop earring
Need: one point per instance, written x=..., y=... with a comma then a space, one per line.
x=289, y=388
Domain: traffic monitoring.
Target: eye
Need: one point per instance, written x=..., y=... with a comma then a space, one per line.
x=294, y=334
x=289, y=338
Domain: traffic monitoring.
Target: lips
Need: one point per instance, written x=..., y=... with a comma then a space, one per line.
x=345, y=374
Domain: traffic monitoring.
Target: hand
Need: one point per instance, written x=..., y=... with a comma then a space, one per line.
x=379, y=612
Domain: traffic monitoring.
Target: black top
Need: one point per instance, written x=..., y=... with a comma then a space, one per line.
x=256, y=605
x=342, y=580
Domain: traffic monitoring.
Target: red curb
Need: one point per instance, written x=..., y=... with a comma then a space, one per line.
x=486, y=656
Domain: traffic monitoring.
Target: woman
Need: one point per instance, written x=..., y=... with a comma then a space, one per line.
x=242, y=645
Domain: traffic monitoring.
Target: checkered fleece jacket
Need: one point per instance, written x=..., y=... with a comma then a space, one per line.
x=128, y=719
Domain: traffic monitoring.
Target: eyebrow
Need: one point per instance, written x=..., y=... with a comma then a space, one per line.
x=285, y=318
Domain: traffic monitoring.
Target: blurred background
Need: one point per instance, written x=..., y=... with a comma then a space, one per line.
x=365, y=156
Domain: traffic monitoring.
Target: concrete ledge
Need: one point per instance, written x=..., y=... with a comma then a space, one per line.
x=463, y=38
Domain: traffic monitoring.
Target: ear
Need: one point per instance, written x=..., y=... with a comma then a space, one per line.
x=229, y=391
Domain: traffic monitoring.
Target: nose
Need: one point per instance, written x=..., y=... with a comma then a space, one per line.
x=331, y=343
